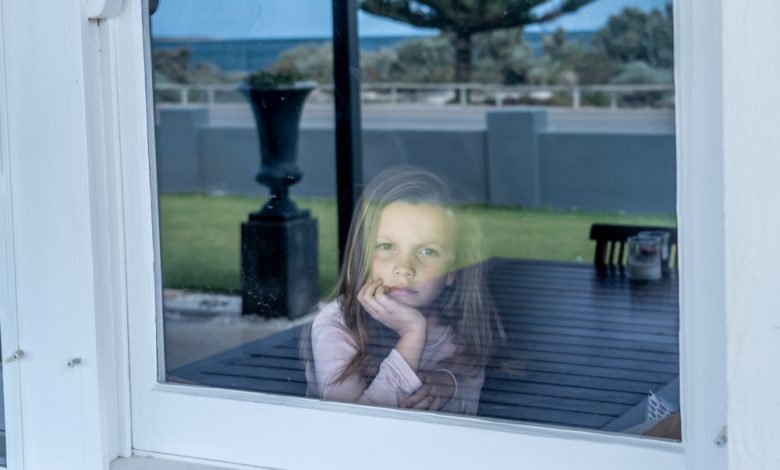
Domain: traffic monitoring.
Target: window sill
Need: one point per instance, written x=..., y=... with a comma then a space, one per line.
x=155, y=463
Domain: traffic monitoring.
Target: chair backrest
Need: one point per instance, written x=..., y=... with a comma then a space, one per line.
x=611, y=239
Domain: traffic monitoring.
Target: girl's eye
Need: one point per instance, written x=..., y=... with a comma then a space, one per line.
x=429, y=252
x=384, y=246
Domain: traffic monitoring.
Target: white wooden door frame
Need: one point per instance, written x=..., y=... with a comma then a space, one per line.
x=61, y=227
x=248, y=429
x=285, y=432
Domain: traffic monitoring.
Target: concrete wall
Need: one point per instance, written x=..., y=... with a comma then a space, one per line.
x=612, y=172
x=515, y=161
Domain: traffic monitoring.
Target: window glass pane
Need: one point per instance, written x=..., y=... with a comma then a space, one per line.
x=208, y=167
x=517, y=221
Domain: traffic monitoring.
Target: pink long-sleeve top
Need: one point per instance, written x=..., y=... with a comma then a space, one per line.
x=333, y=347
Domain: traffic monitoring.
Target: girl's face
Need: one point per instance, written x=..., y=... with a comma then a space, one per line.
x=413, y=252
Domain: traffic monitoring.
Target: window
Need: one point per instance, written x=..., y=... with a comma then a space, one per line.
x=165, y=414
x=559, y=342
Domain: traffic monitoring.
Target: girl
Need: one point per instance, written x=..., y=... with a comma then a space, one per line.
x=411, y=324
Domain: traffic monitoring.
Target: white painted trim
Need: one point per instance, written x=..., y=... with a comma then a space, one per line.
x=701, y=227
x=102, y=9
x=147, y=461
x=9, y=328
x=751, y=148
x=476, y=423
x=251, y=432
x=52, y=233
x=108, y=234
x=140, y=215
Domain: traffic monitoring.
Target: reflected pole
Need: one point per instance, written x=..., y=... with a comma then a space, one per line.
x=346, y=99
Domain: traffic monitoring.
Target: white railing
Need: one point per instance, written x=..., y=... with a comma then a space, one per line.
x=431, y=93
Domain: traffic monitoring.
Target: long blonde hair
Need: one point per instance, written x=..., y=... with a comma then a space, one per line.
x=465, y=305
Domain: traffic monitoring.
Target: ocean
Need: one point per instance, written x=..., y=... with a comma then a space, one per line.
x=253, y=54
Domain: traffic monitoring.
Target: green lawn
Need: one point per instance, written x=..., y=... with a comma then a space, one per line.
x=201, y=236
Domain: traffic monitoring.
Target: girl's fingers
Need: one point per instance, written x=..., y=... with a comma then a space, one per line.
x=371, y=296
x=370, y=289
x=363, y=293
x=415, y=398
x=366, y=288
x=379, y=289
x=424, y=398
x=366, y=294
x=386, y=302
x=437, y=403
x=390, y=304
x=423, y=404
x=373, y=308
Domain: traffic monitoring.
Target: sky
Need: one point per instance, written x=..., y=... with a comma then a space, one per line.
x=241, y=19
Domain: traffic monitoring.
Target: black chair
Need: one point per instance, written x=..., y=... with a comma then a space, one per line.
x=611, y=240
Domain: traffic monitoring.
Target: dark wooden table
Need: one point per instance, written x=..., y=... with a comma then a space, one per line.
x=585, y=349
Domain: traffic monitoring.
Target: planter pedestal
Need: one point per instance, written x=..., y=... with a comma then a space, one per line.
x=279, y=269
x=279, y=264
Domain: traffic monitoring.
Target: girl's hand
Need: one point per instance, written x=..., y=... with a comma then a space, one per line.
x=398, y=317
x=437, y=390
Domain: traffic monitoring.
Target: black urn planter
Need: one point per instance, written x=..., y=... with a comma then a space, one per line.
x=279, y=260
x=277, y=114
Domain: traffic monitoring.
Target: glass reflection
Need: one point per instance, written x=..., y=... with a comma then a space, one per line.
x=412, y=324
x=562, y=132
x=211, y=160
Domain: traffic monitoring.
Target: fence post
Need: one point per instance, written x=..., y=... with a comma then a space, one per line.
x=576, y=98
x=613, y=100
x=211, y=96
x=180, y=155
x=185, y=96
x=393, y=94
x=463, y=98
x=514, y=156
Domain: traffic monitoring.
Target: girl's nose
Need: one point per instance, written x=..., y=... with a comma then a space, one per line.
x=404, y=270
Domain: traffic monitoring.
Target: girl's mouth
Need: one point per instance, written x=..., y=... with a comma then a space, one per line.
x=402, y=291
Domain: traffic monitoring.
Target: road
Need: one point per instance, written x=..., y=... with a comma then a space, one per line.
x=429, y=117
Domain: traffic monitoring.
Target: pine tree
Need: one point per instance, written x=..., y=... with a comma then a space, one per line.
x=464, y=18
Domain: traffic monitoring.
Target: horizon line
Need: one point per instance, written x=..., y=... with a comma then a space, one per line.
x=401, y=35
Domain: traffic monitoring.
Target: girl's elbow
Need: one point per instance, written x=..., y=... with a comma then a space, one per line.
x=340, y=395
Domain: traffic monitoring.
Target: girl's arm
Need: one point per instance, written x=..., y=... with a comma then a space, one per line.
x=333, y=348
x=450, y=387
x=469, y=388
x=408, y=322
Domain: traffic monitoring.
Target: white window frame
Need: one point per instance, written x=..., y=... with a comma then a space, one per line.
x=11, y=393
x=249, y=430
x=286, y=432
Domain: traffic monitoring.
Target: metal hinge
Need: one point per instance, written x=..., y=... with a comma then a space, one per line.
x=13, y=357
x=74, y=362
x=722, y=438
